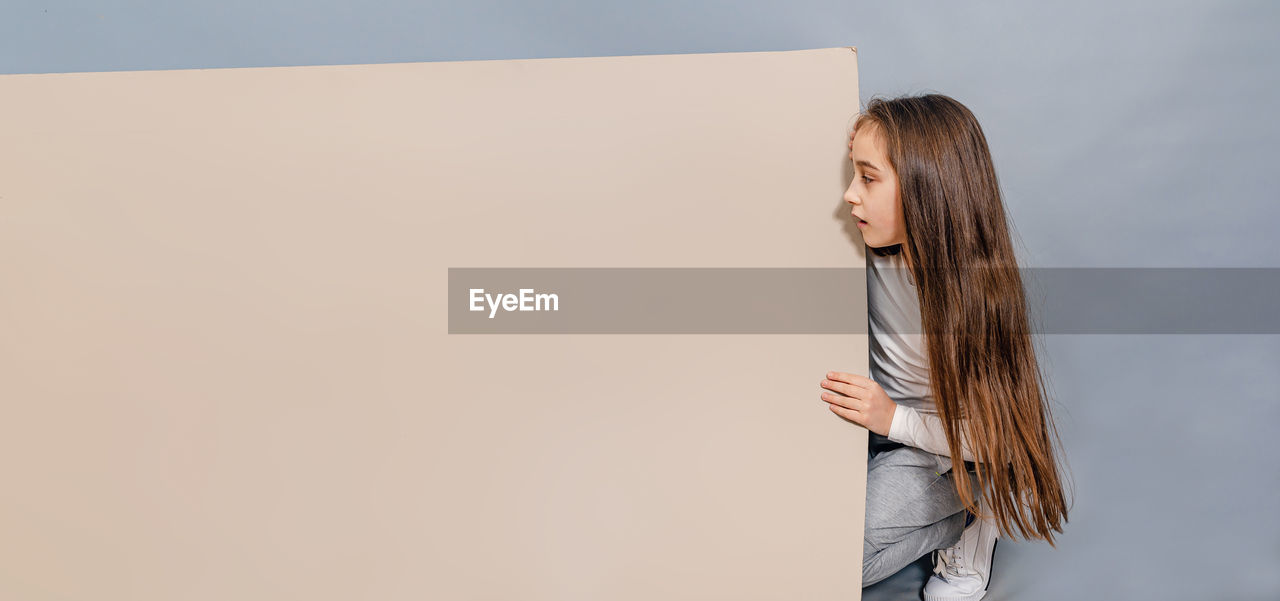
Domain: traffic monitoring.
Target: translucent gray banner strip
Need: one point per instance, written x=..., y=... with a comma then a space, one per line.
x=1174, y=300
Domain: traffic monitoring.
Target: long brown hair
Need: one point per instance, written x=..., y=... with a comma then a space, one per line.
x=983, y=371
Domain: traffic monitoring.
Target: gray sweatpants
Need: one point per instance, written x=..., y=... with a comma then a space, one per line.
x=912, y=507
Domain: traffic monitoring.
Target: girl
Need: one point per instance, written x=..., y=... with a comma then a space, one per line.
x=966, y=383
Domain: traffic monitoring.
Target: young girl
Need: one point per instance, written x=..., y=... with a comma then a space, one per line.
x=953, y=369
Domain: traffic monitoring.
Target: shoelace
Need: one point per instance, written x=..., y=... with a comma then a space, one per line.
x=948, y=562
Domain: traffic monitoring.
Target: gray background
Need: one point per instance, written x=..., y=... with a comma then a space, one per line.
x=1136, y=134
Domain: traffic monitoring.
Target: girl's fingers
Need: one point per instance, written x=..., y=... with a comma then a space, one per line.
x=842, y=388
x=836, y=399
x=848, y=414
x=851, y=379
x=851, y=404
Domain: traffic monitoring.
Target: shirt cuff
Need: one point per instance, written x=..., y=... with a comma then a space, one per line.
x=898, y=427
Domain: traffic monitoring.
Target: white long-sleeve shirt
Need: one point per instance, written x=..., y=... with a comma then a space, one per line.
x=899, y=358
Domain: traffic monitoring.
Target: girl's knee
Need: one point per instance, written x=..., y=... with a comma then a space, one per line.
x=877, y=565
x=875, y=538
x=871, y=567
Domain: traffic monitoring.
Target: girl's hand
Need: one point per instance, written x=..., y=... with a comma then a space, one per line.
x=860, y=400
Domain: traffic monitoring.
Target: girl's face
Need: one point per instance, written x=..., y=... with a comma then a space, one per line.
x=874, y=191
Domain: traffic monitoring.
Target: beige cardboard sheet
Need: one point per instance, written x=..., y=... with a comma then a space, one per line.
x=225, y=364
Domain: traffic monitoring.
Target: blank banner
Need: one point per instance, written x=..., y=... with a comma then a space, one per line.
x=227, y=371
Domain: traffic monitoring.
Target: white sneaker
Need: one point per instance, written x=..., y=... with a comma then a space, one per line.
x=963, y=571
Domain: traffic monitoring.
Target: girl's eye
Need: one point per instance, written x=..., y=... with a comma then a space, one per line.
x=867, y=179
